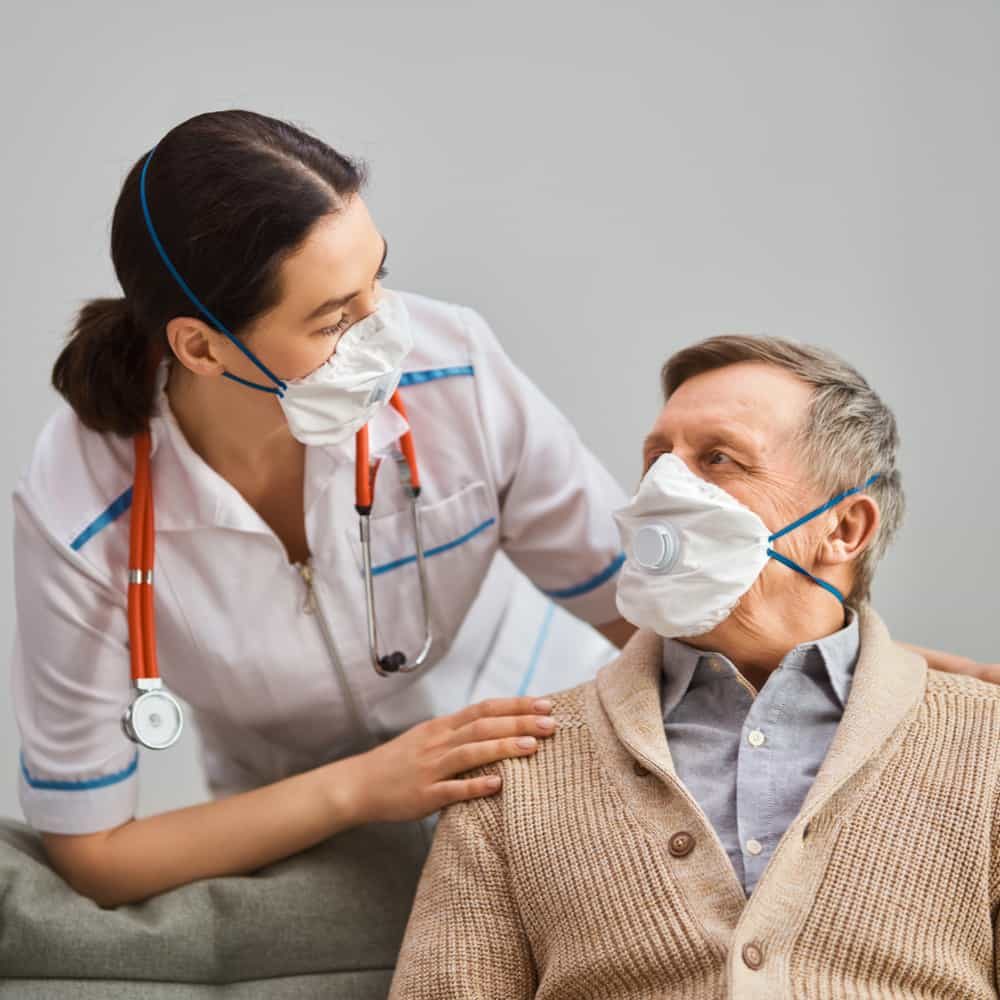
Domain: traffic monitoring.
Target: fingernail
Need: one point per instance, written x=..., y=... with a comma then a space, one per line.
x=527, y=742
x=493, y=782
x=546, y=722
x=543, y=705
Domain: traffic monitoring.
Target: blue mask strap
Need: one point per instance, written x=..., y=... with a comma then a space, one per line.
x=281, y=386
x=785, y=561
x=839, y=498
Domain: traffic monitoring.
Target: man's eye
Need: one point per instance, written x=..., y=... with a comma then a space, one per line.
x=718, y=458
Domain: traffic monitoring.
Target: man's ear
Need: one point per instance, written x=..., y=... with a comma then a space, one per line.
x=857, y=525
x=195, y=345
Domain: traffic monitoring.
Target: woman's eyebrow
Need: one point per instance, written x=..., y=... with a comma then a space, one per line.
x=337, y=303
x=654, y=440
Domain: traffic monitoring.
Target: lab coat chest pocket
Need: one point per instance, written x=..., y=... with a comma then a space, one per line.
x=460, y=538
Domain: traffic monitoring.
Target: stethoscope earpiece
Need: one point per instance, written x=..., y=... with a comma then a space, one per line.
x=392, y=662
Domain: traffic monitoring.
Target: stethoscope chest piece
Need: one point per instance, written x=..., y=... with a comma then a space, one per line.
x=154, y=719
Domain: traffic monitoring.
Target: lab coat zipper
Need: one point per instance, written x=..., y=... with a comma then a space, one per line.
x=312, y=607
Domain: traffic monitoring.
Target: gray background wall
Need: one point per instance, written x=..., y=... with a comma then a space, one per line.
x=606, y=184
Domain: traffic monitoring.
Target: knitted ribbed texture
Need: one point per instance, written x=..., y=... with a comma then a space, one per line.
x=569, y=885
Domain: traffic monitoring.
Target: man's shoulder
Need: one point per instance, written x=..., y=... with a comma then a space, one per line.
x=963, y=687
x=570, y=709
x=569, y=706
x=956, y=704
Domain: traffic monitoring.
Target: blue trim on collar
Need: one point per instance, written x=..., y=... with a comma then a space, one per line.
x=80, y=786
x=122, y=504
x=592, y=584
x=406, y=560
x=114, y=510
x=433, y=374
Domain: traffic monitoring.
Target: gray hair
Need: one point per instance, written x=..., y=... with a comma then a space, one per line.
x=850, y=434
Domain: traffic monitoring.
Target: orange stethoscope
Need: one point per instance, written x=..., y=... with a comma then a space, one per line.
x=154, y=719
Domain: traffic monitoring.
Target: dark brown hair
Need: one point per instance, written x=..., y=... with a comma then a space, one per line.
x=231, y=194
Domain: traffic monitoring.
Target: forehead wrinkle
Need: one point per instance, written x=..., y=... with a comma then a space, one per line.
x=748, y=412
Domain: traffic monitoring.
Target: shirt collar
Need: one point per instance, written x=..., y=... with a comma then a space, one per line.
x=198, y=495
x=838, y=654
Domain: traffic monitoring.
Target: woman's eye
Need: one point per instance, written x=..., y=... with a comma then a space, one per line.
x=339, y=327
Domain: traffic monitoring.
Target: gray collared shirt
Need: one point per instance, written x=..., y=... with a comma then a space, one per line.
x=749, y=761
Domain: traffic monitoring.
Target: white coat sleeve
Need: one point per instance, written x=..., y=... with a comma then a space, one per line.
x=556, y=499
x=71, y=682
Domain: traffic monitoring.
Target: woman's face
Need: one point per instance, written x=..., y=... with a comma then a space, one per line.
x=327, y=285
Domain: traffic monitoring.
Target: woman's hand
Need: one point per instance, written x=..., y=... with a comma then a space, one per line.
x=414, y=775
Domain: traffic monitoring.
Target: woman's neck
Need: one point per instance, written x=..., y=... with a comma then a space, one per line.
x=232, y=427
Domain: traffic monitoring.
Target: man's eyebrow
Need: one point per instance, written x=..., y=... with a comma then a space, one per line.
x=331, y=304
x=730, y=437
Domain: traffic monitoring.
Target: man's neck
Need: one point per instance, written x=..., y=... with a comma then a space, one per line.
x=756, y=644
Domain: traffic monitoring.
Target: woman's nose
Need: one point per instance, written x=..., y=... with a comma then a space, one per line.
x=367, y=301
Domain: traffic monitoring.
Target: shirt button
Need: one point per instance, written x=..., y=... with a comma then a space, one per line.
x=754, y=846
x=681, y=844
x=714, y=663
x=756, y=738
x=753, y=956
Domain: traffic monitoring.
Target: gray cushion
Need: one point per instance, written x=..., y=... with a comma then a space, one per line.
x=325, y=923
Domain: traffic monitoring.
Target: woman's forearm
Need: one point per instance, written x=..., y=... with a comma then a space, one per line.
x=229, y=836
x=953, y=664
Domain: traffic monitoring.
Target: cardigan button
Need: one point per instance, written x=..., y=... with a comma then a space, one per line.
x=681, y=844
x=639, y=771
x=753, y=956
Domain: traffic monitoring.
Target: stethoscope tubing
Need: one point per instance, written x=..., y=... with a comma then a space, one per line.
x=146, y=679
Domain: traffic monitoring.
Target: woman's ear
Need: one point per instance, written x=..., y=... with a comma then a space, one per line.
x=857, y=525
x=195, y=345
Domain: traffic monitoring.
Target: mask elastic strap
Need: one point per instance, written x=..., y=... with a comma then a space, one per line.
x=281, y=386
x=822, y=510
x=253, y=385
x=785, y=561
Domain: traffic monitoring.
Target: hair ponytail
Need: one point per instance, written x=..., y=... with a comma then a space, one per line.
x=104, y=371
x=232, y=193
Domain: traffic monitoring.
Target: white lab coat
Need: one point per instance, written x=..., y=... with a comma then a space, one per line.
x=279, y=679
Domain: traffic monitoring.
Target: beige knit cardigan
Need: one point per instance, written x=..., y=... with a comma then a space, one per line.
x=594, y=875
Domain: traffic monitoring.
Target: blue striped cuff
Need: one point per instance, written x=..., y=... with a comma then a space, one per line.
x=80, y=786
x=588, y=585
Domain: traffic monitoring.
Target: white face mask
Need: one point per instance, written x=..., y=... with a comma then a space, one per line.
x=693, y=550
x=335, y=401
